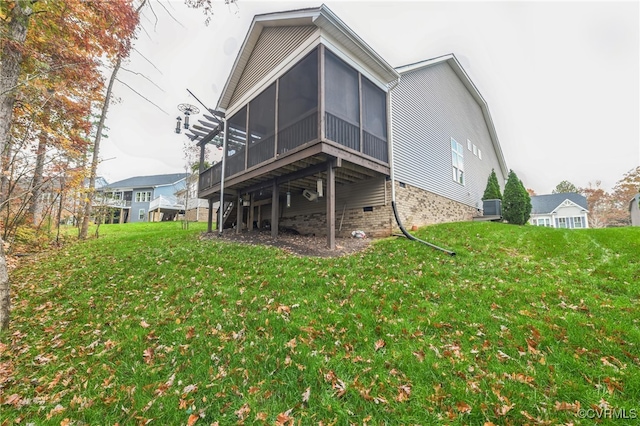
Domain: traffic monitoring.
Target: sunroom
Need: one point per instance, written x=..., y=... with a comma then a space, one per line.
x=315, y=126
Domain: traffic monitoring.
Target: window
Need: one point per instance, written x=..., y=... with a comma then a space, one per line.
x=236, y=142
x=479, y=154
x=544, y=221
x=297, y=101
x=457, y=161
x=468, y=144
x=577, y=222
x=561, y=222
x=342, y=102
x=475, y=150
x=262, y=126
x=141, y=214
x=341, y=90
x=143, y=197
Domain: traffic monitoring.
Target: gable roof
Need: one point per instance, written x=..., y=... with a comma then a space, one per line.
x=545, y=204
x=321, y=17
x=473, y=90
x=153, y=181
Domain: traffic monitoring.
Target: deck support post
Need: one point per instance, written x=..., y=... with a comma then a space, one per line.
x=275, y=208
x=250, y=220
x=331, y=205
x=239, y=214
x=210, y=216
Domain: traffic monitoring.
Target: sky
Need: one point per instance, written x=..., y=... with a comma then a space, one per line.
x=562, y=79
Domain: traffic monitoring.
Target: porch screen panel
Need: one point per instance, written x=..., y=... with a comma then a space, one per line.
x=374, y=121
x=298, y=104
x=342, y=102
x=236, y=142
x=262, y=126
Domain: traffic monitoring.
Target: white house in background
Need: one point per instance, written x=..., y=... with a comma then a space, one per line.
x=634, y=210
x=564, y=210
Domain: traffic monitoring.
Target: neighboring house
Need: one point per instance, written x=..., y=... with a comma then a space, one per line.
x=634, y=210
x=196, y=209
x=144, y=198
x=311, y=110
x=563, y=210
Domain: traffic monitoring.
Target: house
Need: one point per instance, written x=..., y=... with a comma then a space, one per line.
x=634, y=210
x=563, y=210
x=325, y=137
x=196, y=209
x=143, y=198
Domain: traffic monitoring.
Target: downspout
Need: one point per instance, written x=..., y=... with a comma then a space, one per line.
x=224, y=163
x=393, y=181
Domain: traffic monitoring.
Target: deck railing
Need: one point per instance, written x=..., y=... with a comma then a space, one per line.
x=291, y=137
x=298, y=133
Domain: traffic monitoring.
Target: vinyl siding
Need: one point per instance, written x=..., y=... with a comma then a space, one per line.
x=430, y=106
x=273, y=46
x=369, y=193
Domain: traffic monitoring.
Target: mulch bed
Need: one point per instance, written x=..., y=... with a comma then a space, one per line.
x=301, y=245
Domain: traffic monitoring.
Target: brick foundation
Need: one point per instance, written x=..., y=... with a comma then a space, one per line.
x=416, y=207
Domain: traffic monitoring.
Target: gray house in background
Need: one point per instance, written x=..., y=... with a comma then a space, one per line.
x=565, y=210
x=144, y=198
x=318, y=122
x=634, y=210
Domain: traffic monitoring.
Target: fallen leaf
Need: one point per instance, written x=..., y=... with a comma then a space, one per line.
x=306, y=394
x=379, y=344
x=463, y=407
x=193, y=418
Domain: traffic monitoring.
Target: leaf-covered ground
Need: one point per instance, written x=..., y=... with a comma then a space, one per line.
x=151, y=325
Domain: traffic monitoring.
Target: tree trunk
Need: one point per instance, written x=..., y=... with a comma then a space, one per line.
x=35, y=206
x=9, y=74
x=84, y=229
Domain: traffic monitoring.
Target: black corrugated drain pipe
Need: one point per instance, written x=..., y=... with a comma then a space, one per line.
x=392, y=86
x=411, y=237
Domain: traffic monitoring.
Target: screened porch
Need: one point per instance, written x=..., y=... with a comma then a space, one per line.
x=320, y=108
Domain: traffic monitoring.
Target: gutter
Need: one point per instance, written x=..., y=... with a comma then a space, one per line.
x=393, y=182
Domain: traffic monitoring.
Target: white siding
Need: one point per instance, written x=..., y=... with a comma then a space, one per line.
x=430, y=106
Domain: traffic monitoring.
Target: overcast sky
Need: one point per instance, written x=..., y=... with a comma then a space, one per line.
x=562, y=79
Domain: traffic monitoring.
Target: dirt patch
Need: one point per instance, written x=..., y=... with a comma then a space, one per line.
x=301, y=245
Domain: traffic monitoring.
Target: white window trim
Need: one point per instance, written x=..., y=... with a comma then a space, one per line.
x=141, y=214
x=457, y=162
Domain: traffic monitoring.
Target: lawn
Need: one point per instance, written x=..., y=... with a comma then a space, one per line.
x=151, y=325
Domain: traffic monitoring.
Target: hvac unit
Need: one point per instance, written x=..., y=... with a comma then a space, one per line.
x=492, y=207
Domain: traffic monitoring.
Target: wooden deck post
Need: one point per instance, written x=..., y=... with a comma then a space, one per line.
x=239, y=214
x=275, y=208
x=250, y=219
x=331, y=205
x=210, y=216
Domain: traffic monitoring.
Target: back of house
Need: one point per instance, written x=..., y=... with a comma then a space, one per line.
x=318, y=123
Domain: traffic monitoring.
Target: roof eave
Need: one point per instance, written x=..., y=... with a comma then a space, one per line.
x=471, y=87
x=323, y=18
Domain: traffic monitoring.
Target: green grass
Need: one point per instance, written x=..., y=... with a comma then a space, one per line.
x=525, y=325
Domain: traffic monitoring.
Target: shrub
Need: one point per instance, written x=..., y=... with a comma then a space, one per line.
x=516, y=202
x=492, y=191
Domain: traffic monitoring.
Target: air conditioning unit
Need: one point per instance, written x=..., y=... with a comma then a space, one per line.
x=310, y=195
x=492, y=207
